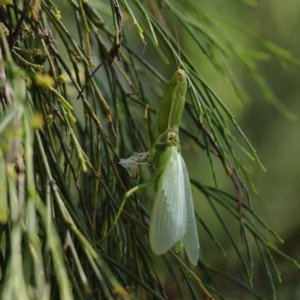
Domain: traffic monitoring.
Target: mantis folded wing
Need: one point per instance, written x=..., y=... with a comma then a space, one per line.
x=173, y=222
x=172, y=218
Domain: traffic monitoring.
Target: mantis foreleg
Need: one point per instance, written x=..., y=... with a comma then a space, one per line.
x=154, y=177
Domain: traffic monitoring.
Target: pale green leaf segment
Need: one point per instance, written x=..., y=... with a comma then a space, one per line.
x=173, y=222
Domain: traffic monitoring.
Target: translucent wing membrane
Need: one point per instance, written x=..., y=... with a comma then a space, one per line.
x=168, y=217
x=172, y=218
x=133, y=161
x=191, y=243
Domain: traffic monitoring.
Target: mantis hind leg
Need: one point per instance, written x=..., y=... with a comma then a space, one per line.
x=152, y=179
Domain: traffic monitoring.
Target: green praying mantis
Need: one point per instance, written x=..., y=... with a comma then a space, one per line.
x=173, y=222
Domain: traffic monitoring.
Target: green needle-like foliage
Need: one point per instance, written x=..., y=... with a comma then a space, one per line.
x=61, y=184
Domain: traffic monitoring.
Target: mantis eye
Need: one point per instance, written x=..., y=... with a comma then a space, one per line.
x=180, y=75
x=181, y=72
